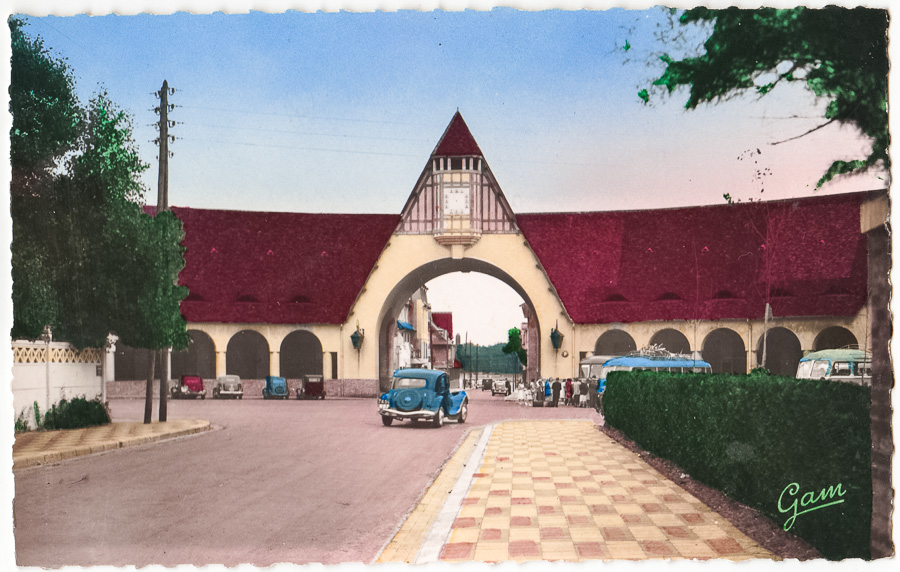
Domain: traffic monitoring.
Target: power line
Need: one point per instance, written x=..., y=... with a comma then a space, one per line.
x=296, y=147
x=299, y=115
x=289, y=131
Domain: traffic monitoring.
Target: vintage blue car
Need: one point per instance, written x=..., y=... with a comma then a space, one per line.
x=276, y=388
x=423, y=395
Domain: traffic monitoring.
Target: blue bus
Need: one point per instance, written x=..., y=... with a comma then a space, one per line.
x=641, y=361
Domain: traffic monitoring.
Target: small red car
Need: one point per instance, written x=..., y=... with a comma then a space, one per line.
x=189, y=386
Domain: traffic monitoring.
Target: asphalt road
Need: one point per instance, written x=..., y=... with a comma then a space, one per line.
x=278, y=481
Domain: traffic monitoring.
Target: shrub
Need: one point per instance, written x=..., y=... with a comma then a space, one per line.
x=22, y=423
x=77, y=413
x=752, y=436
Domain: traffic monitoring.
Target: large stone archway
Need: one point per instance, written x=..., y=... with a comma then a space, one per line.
x=406, y=286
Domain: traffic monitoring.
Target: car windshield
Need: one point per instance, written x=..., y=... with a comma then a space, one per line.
x=409, y=382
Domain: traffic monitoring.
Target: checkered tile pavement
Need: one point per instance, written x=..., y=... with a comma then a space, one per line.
x=562, y=490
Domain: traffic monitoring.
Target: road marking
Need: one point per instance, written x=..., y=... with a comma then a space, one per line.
x=440, y=531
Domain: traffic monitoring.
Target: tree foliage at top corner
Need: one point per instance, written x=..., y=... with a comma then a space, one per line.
x=840, y=53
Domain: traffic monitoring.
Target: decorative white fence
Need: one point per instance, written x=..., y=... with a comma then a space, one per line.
x=45, y=372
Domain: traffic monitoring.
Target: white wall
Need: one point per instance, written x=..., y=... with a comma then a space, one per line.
x=71, y=373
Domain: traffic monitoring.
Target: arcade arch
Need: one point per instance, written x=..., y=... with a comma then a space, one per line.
x=614, y=342
x=247, y=355
x=671, y=340
x=783, y=351
x=301, y=354
x=198, y=359
x=406, y=286
x=833, y=338
x=724, y=349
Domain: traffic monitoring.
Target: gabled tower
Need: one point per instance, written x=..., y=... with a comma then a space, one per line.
x=457, y=199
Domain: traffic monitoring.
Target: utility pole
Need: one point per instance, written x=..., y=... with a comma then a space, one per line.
x=162, y=204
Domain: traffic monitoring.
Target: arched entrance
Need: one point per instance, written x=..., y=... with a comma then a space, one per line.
x=614, y=343
x=406, y=286
x=783, y=352
x=834, y=338
x=671, y=340
x=301, y=354
x=198, y=359
x=725, y=351
x=247, y=355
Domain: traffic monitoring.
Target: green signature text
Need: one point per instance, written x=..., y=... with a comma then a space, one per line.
x=789, y=502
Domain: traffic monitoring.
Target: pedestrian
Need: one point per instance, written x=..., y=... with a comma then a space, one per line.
x=557, y=386
x=547, y=389
x=583, y=394
x=568, y=392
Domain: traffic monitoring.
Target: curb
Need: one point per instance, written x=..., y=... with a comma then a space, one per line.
x=24, y=460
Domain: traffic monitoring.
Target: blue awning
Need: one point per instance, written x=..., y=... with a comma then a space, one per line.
x=405, y=326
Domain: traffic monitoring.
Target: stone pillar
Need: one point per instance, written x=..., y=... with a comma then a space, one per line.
x=274, y=363
x=107, y=364
x=221, y=363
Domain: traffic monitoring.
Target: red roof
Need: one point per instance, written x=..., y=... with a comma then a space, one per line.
x=457, y=140
x=444, y=320
x=706, y=262
x=277, y=268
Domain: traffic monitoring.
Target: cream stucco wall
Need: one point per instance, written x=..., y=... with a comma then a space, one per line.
x=274, y=334
x=750, y=331
x=508, y=254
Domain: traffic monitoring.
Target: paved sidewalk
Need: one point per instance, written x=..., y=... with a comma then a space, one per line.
x=42, y=447
x=561, y=490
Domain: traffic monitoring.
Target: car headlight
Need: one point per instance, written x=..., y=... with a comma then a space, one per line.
x=383, y=404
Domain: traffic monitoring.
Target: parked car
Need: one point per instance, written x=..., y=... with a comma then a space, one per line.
x=311, y=387
x=228, y=386
x=188, y=386
x=276, y=388
x=486, y=384
x=423, y=395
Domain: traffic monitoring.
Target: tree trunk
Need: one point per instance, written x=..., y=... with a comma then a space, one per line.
x=163, y=384
x=148, y=397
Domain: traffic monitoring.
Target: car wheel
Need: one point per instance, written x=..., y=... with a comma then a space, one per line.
x=386, y=421
x=240, y=396
x=203, y=396
x=439, y=418
x=463, y=412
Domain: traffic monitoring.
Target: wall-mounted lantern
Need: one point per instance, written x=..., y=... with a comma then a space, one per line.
x=357, y=337
x=556, y=337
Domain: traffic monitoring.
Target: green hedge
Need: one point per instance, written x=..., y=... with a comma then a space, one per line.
x=74, y=414
x=752, y=436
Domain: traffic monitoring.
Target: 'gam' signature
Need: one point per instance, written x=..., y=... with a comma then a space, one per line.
x=809, y=501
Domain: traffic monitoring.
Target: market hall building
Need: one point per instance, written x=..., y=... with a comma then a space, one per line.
x=296, y=293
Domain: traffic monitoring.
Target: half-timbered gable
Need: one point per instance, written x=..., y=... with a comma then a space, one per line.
x=457, y=198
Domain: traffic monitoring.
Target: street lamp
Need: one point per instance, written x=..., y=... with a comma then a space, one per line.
x=556, y=337
x=356, y=338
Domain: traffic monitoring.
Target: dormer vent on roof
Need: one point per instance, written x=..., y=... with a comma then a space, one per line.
x=456, y=198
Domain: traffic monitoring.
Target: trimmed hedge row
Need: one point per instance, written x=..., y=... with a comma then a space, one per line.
x=765, y=441
x=75, y=414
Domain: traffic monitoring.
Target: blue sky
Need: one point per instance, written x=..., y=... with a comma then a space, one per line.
x=338, y=112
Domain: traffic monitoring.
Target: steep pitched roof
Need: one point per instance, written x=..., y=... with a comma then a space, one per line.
x=457, y=140
x=806, y=255
x=444, y=320
x=277, y=268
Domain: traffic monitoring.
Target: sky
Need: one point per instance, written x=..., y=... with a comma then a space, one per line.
x=338, y=112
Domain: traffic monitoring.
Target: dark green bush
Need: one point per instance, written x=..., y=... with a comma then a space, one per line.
x=752, y=436
x=77, y=413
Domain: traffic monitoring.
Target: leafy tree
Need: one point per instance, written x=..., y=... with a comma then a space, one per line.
x=514, y=345
x=839, y=53
x=46, y=121
x=86, y=259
